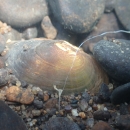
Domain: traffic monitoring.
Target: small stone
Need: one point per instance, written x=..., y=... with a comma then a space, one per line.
x=102, y=115
x=4, y=77
x=104, y=93
x=86, y=96
x=51, y=103
x=101, y=126
x=45, y=97
x=74, y=112
x=38, y=104
x=40, y=95
x=83, y=105
x=82, y=115
x=18, y=94
x=30, y=33
x=49, y=30
x=68, y=108
x=35, y=90
x=17, y=108
x=36, y=112
x=90, y=102
x=95, y=107
x=90, y=122
x=60, y=123
x=23, y=107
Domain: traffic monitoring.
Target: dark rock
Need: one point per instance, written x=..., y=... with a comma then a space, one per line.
x=102, y=115
x=38, y=104
x=116, y=61
x=101, y=126
x=22, y=13
x=74, y=101
x=4, y=77
x=104, y=93
x=123, y=122
x=51, y=103
x=9, y=120
x=86, y=96
x=82, y=126
x=80, y=19
x=68, y=108
x=30, y=33
x=40, y=95
x=90, y=122
x=122, y=9
x=60, y=123
x=121, y=94
x=124, y=109
x=83, y=105
x=52, y=112
x=107, y=23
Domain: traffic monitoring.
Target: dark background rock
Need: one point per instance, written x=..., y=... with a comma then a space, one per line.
x=60, y=123
x=21, y=13
x=114, y=58
x=9, y=120
x=121, y=94
x=123, y=122
x=122, y=9
x=79, y=19
x=107, y=23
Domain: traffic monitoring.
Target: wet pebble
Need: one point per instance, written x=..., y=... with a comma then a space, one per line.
x=49, y=30
x=51, y=103
x=86, y=96
x=102, y=115
x=38, y=104
x=116, y=61
x=36, y=112
x=60, y=123
x=90, y=122
x=4, y=77
x=104, y=93
x=83, y=104
x=80, y=19
x=101, y=126
x=17, y=94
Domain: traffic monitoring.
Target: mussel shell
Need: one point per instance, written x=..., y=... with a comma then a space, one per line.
x=47, y=62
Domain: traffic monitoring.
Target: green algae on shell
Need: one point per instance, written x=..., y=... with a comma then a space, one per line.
x=46, y=63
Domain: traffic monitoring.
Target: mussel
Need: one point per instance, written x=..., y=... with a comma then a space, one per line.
x=46, y=63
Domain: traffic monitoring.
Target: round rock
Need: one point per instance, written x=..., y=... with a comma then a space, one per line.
x=60, y=123
x=122, y=9
x=115, y=58
x=22, y=13
x=79, y=19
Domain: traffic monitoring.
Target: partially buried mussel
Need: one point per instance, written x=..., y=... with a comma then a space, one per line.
x=46, y=63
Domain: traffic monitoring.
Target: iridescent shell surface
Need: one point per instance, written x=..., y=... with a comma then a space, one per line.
x=46, y=63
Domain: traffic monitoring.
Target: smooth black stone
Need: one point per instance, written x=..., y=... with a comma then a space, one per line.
x=38, y=104
x=60, y=123
x=79, y=19
x=9, y=120
x=114, y=58
x=121, y=94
